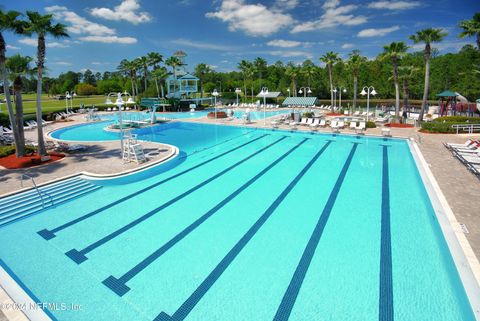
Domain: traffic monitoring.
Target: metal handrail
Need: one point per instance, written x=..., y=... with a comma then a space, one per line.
x=39, y=192
x=469, y=127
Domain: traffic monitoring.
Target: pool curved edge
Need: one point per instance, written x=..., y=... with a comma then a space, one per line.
x=464, y=258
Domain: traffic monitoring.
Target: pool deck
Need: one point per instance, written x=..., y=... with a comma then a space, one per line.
x=459, y=186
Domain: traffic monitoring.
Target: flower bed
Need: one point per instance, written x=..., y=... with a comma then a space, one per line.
x=335, y=114
x=220, y=114
x=398, y=125
x=12, y=162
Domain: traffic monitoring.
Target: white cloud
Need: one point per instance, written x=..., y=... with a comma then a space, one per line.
x=13, y=47
x=253, y=19
x=62, y=63
x=442, y=46
x=284, y=43
x=201, y=45
x=34, y=42
x=291, y=53
x=333, y=16
x=127, y=10
x=78, y=24
x=110, y=39
x=394, y=5
x=365, y=33
x=347, y=45
x=283, y=5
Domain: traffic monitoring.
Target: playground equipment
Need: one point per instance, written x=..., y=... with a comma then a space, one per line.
x=454, y=103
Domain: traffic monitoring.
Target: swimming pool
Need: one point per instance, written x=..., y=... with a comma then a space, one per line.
x=256, y=225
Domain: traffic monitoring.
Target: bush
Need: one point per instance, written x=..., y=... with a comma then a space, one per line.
x=308, y=115
x=4, y=120
x=9, y=150
x=371, y=124
x=457, y=119
x=85, y=89
x=438, y=127
x=220, y=114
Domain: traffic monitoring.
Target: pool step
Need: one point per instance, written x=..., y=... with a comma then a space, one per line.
x=24, y=204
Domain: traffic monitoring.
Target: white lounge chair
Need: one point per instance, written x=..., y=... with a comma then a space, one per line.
x=334, y=125
x=341, y=124
x=315, y=123
x=361, y=128
x=353, y=125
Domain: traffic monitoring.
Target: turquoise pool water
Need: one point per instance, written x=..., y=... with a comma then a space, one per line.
x=247, y=225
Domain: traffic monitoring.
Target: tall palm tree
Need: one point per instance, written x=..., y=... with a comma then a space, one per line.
x=471, y=28
x=127, y=68
x=407, y=73
x=9, y=22
x=395, y=51
x=309, y=71
x=244, y=67
x=260, y=66
x=154, y=59
x=355, y=63
x=42, y=25
x=427, y=36
x=161, y=74
x=292, y=72
x=201, y=70
x=330, y=59
x=143, y=62
x=18, y=66
x=174, y=62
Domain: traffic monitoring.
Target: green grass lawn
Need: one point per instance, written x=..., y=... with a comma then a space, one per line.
x=50, y=104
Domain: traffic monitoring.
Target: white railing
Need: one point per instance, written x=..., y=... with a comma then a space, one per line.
x=470, y=128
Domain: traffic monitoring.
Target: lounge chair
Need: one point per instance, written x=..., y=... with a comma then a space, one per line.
x=360, y=129
x=303, y=121
x=315, y=123
x=353, y=125
x=334, y=125
x=341, y=124
x=64, y=147
x=357, y=113
x=466, y=144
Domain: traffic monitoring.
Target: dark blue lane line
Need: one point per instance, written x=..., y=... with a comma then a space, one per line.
x=79, y=256
x=187, y=306
x=385, y=304
x=50, y=234
x=290, y=296
x=118, y=285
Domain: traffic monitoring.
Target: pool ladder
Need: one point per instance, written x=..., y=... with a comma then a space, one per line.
x=40, y=193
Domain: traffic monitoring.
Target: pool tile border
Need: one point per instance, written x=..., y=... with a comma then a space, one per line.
x=466, y=262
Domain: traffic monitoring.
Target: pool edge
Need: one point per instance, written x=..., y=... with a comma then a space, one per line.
x=466, y=262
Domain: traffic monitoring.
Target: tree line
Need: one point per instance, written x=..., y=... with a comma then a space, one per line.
x=395, y=73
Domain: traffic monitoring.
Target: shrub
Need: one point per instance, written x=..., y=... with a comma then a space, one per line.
x=457, y=119
x=85, y=89
x=308, y=115
x=9, y=150
x=4, y=120
x=371, y=124
x=438, y=127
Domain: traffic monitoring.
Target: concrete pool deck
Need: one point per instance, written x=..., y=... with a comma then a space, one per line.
x=459, y=186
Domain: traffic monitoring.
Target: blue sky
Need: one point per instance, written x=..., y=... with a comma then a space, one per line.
x=223, y=32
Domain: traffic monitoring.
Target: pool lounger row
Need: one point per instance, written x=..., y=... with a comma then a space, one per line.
x=468, y=153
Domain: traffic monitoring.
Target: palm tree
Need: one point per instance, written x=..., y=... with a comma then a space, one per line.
x=19, y=66
x=161, y=74
x=201, y=70
x=42, y=25
x=292, y=72
x=174, y=62
x=309, y=71
x=395, y=51
x=330, y=59
x=471, y=28
x=143, y=62
x=154, y=59
x=127, y=68
x=427, y=36
x=355, y=62
x=407, y=73
x=260, y=65
x=244, y=67
x=9, y=22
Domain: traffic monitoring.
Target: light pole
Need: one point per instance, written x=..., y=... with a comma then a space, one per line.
x=119, y=102
x=305, y=91
x=340, y=89
x=370, y=91
x=215, y=95
x=334, y=91
x=237, y=91
x=71, y=101
x=288, y=89
x=264, y=93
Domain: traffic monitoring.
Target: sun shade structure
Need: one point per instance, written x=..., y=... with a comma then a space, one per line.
x=270, y=94
x=300, y=101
